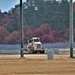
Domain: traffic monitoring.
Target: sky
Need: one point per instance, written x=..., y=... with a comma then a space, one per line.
x=6, y=5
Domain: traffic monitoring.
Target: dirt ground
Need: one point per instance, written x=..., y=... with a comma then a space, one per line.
x=36, y=65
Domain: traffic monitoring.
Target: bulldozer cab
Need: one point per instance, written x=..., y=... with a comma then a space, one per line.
x=34, y=39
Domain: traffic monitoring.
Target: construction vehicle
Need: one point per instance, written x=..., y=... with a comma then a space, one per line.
x=34, y=45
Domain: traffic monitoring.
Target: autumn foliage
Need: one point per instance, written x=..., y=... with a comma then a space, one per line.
x=46, y=19
x=44, y=32
x=3, y=33
x=13, y=38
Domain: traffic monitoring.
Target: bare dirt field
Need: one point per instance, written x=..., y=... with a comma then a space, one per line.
x=36, y=65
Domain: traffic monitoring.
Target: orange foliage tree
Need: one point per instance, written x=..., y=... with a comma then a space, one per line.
x=45, y=28
x=44, y=33
x=28, y=32
x=3, y=34
x=13, y=38
x=58, y=35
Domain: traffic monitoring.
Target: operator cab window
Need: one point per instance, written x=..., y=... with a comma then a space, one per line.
x=30, y=41
x=36, y=40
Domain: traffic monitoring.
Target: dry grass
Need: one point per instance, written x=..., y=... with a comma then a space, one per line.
x=37, y=65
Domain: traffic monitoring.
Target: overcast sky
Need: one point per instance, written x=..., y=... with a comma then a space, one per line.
x=6, y=5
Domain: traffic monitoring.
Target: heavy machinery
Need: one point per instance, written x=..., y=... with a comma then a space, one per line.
x=34, y=45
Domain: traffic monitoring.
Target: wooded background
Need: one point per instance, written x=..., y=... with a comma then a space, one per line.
x=47, y=19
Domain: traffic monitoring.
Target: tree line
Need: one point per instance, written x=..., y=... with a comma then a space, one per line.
x=44, y=32
x=47, y=19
